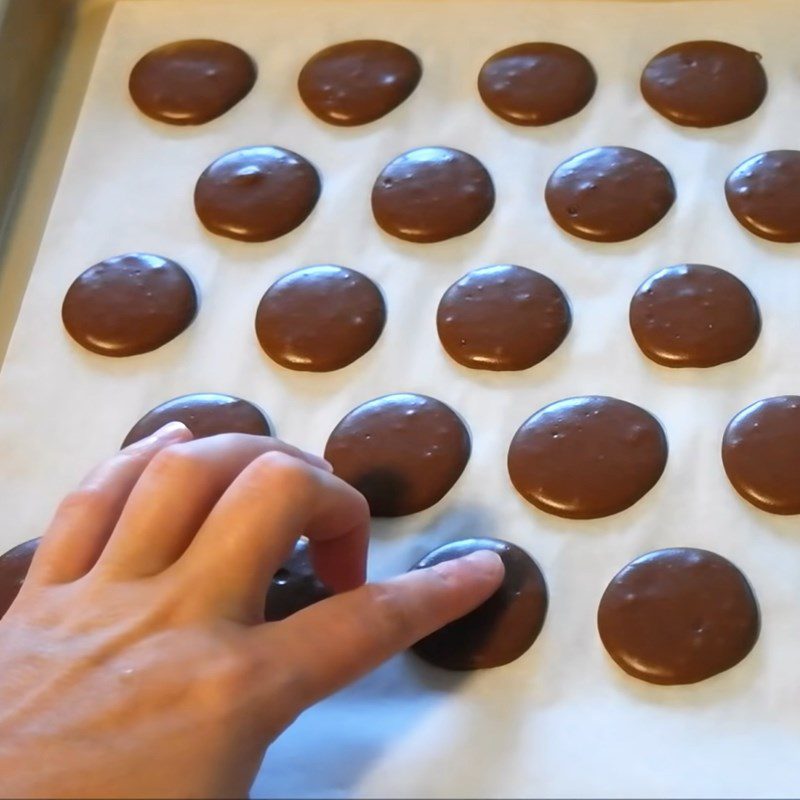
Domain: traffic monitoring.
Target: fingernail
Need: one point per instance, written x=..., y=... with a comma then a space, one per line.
x=486, y=561
x=172, y=431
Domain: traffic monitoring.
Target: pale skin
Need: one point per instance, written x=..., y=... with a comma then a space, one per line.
x=135, y=661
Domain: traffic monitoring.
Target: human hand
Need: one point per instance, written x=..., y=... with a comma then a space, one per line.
x=135, y=661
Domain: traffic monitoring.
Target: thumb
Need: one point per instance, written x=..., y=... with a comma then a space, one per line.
x=330, y=644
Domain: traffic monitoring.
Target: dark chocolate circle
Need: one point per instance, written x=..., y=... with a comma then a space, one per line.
x=256, y=194
x=587, y=457
x=502, y=318
x=14, y=566
x=501, y=629
x=678, y=616
x=761, y=454
x=536, y=83
x=204, y=415
x=352, y=83
x=294, y=586
x=693, y=315
x=763, y=193
x=431, y=194
x=192, y=81
x=320, y=318
x=609, y=194
x=403, y=452
x=129, y=304
x=704, y=84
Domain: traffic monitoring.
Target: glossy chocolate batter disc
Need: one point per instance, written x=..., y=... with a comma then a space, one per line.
x=536, y=83
x=704, y=84
x=693, y=315
x=403, y=452
x=502, y=318
x=256, y=194
x=356, y=82
x=129, y=304
x=587, y=457
x=761, y=454
x=14, y=566
x=500, y=630
x=204, y=415
x=320, y=318
x=764, y=195
x=609, y=194
x=432, y=194
x=191, y=82
x=294, y=586
x=678, y=616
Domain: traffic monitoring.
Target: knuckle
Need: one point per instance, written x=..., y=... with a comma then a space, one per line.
x=287, y=474
x=87, y=497
x=391, y=618
x=173, y=459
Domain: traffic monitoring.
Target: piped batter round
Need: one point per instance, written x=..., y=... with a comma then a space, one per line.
x=403, y=452
x=502, y=628
x=693, y=315
x=502, y=317
x=703, y=84
x=587, y=457
x=129, y=304
x=432, y=194
x=763, y=193
x=609, y=194
x=191, y=81
x=761, y=454
x=294, y=586
x=204, y=415
x=356, y=82
x=14, y=566
x=320, y=318
x=536, y=83
x=256, y=194
x=678, y=616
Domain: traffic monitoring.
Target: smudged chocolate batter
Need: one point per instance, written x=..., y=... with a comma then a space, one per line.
x=763, y=193
x=356, y=82
x=502, y=317
x=761, y=454
x=14, y=566
x=204, y=415
x=294, y=586
x=678, y=616
x=129, y=304
x=587, y=457
x=501, y=629
x=192, y=81
x=256, y=194
x=320, y=318
x=693, y=315
x=403, y=452
x=609, y=194
x=704, y=84
x=536, y=83
x=432, y=194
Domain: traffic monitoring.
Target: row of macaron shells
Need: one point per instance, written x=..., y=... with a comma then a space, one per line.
x=501, y=317
x=577, y=458
x=701, y=604
x=698, y=84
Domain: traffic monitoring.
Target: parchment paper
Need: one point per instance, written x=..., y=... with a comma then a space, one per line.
x=563, y=720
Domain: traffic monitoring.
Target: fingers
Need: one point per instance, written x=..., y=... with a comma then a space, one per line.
x=175, y=494
x=84, y=520
x=331, y=643
x=257, y=522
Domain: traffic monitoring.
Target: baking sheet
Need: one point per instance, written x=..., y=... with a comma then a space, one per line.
x=563, y=720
